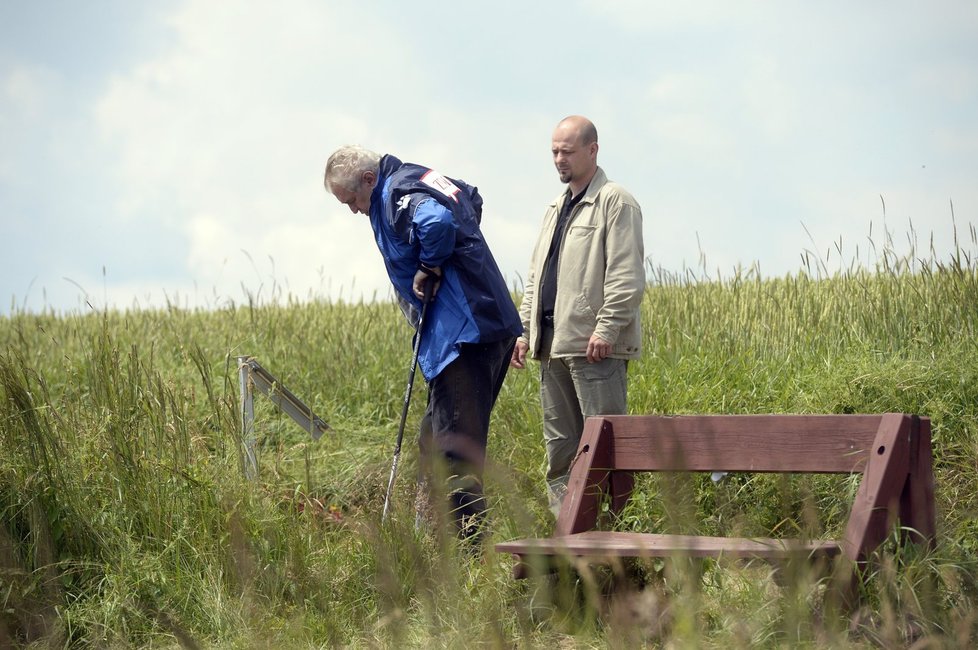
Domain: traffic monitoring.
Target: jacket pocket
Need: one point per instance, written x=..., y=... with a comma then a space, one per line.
x=613, y=370
x=581, y=231
x=583, y=309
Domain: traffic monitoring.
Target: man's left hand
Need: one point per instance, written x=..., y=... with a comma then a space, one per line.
x=597, y=349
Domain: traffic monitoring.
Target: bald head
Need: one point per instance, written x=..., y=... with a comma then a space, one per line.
x=582, y=127
x=575, y=151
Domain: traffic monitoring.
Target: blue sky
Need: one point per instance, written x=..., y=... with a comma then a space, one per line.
x=173, y=151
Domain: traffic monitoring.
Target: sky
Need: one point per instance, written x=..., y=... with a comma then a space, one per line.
x=171, y=153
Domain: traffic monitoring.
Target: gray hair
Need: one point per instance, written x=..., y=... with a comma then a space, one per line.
x=346, y=164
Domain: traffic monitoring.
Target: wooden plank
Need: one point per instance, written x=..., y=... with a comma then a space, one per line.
x=917, y=511
x=751, y=443
x=586, y=485
x=619, y=544
x=881, y=487
x=621, y=485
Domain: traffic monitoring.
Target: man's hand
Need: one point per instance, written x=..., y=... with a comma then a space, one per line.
x=597, y=349
x=518, y=359
x=421, y=276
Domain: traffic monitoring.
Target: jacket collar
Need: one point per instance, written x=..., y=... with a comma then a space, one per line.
x=388, y=165
x=597, y=182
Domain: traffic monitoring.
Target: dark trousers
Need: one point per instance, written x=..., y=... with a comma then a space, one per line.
x=455, y=429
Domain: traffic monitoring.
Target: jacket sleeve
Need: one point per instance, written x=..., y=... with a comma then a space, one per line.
x=536, y=265
x=624, y=281
x=434, y=229
x=529, y=291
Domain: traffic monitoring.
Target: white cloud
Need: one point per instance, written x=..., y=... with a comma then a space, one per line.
x=26, y=91
x=27, y=95
x=227, y=132
x=233, y=137
x=662, y=15
x=733, y=123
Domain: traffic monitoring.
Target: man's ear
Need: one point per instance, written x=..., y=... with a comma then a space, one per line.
x=369, y=177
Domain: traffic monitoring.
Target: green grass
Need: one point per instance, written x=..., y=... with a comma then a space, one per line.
x=127, y=520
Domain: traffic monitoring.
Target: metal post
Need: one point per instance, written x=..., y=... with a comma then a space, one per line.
x=247, y=419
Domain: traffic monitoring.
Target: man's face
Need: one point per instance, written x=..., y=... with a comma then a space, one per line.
x=358, y=200
x=572, y=159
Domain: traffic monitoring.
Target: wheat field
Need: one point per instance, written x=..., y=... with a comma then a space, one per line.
x=127, y=519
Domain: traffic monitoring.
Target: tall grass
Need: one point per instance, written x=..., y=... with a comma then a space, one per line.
x=126, y=520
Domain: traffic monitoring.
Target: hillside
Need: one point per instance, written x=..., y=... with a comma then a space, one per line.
x=127, y=521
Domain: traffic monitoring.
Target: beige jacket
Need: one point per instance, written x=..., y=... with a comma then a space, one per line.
x=600, y=277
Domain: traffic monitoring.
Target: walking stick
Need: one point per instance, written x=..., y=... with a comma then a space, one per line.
x=428, y=286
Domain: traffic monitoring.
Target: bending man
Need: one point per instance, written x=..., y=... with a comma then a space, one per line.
x=427, y=226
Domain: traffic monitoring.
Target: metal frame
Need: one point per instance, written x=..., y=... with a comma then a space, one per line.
x=252, y=375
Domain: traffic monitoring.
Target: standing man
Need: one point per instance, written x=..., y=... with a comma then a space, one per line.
x=427, y=227
x=581, y=301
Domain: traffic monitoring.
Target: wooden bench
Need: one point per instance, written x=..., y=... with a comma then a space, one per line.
x=892, y=452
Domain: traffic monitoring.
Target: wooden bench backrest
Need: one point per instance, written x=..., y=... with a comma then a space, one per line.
x=749, y=443
x=887, y=449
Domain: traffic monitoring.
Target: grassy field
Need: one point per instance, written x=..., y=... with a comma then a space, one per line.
x=127, y=520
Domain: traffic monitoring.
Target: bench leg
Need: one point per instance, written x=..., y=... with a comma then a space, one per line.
x=588, y=481
x=533, y=566
x=842, y=595
x=622, y=484
x=917, y=511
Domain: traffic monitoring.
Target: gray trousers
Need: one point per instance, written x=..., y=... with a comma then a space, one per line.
x=571, y=389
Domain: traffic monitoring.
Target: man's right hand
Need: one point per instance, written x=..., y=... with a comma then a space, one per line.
x=519, y=354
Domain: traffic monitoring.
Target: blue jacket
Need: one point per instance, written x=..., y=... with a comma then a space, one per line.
x=418, y=215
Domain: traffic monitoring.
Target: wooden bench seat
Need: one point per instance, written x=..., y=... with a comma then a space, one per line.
x=892, y=452
x=608, y=544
